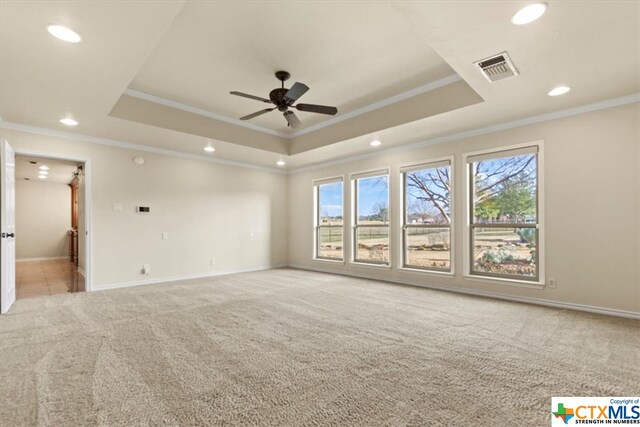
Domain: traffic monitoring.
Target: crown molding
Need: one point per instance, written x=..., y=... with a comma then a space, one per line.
x=127, y=145
x=340, y=118
x=575, y=111
x=428, y=87
x=201, y=112
x=588, y=108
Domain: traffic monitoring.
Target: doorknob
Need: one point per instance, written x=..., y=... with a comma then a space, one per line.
x=11, y=235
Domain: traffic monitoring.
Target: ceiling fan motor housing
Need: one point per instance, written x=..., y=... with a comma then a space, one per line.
x=277, y=97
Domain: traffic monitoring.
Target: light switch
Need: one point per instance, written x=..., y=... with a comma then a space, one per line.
x=117, y=207
x=165, y=235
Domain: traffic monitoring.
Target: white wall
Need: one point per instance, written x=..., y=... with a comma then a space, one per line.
x=592, y=185
x=43, y=218
x=236, y=216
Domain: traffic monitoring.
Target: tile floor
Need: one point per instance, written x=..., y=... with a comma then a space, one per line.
x=37, y=278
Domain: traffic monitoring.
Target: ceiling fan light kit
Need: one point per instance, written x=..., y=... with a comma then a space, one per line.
x=284, y=98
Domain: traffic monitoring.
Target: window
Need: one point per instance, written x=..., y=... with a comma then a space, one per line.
x=426, y=219
x=371, y=225
x=329, y=219
x=504, y=214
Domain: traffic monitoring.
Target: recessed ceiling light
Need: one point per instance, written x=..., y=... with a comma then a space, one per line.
x=529, y=13
x=68, y=122
x=559, y=90
x=280, y=162
x=209, y=148
x=44, y=168
x=375, y=143
x=45, y=173
x=63, y=33
x=42, y=176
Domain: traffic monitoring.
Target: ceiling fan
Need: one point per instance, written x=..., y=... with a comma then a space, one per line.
x=283, y=99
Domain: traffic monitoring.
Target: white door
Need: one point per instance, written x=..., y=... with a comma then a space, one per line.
x=7, y=226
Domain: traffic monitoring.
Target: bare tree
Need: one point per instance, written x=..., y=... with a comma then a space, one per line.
x=490, y=176
x=324, y=214
x=432, y=186
x=381, y=210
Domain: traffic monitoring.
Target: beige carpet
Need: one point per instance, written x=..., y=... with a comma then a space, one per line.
x=287, y=347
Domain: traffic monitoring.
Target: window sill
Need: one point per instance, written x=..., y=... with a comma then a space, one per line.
x=366, y=264
x=508, y=282
x=330, y=261
x=447, y=274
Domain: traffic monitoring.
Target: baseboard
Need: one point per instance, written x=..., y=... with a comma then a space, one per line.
x=50, y=258
x=487, y=294
x=179, y=278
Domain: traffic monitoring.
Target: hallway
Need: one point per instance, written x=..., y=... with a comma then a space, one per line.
x=38, y=278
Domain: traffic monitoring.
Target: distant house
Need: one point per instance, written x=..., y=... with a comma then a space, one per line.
x=422, y=219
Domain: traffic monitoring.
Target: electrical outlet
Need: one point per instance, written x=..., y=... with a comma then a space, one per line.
x=165, y=235
x=212, y=261
x=552, y=283
x=145, y=269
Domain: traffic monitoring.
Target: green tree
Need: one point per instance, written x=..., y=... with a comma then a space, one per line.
x=487, y=209
x=516, y=201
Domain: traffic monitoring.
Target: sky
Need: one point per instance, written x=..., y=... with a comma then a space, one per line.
x=331, y=199
x=375, y=190
x=371, y=191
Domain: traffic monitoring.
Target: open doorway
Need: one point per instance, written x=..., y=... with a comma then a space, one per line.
x=49, y=226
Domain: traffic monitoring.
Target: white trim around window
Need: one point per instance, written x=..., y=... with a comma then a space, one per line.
x=414, y=166
x=354, y=177
x=498, y=152
x=316, y=183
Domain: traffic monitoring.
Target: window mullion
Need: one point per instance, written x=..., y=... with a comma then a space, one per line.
x=426, y=246
x=333, y=189
x=509, y=180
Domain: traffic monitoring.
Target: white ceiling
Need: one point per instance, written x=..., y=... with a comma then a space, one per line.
x=60, y=171
x=349, y=53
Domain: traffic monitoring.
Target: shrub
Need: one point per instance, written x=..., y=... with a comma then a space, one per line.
x=498, y=256
x=527, y=235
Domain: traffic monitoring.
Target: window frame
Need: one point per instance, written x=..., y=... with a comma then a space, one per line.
x=354, y=177
x=538, y=281
x=427, y=164
x=316, y=219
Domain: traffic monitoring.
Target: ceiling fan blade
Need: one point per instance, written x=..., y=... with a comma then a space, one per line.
x=292, y=119
x=256, y=114
x=322, y=109
x=246, y=95
x=296, y=91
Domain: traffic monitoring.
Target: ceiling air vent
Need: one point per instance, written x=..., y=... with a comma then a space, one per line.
x=497, y=67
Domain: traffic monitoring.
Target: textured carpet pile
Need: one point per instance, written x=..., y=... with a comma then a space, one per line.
x=291, y=348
